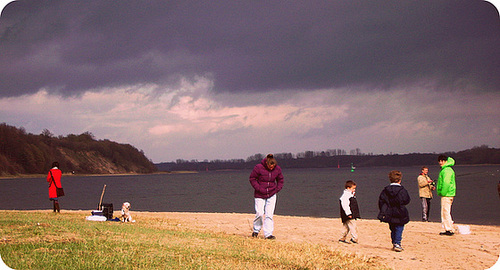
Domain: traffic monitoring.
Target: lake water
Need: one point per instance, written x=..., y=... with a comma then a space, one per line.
x=307, y=192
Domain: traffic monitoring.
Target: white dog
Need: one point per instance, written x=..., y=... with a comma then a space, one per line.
x=126, y=212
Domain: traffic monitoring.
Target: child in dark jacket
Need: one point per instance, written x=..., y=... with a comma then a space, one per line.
x=349, y=212
x=391, y=203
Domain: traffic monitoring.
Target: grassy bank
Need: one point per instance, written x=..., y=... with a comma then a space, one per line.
x=44, y=240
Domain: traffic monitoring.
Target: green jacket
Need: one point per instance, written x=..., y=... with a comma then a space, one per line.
x=446, y=186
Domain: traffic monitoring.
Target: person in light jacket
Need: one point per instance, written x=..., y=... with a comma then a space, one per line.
x=267, y=180
x=446, y=188
x=54, y=179
x=425, y=188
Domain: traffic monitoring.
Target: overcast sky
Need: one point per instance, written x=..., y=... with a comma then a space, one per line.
x=229, y=79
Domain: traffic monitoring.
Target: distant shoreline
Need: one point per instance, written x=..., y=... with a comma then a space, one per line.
x=195, y=172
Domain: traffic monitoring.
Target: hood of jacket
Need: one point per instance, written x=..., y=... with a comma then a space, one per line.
x=449, y=163
x=396, y=195
x=264, y=163
x=393, y=190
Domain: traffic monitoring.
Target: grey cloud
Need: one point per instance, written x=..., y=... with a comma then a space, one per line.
x=74, y=46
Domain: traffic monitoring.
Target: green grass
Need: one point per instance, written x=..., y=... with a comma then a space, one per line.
x=44, y=240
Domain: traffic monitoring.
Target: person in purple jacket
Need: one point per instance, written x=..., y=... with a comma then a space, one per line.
x=267, y=180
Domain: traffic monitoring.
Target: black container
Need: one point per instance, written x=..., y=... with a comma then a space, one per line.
x=107, y=210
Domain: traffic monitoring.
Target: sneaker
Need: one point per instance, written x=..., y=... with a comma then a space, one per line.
x=449, y=233
x=255, y=235
x=354, y=241
x=271, y=237
x=343, y=241
x=397, y=248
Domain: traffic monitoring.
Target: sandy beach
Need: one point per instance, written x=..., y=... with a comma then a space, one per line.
x=424, y=247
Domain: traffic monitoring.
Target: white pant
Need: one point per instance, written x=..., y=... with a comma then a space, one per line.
x=264, y=207
x=349, y=227
x=446, y=219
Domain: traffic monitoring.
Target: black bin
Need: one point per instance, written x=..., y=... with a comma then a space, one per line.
x=107, y=210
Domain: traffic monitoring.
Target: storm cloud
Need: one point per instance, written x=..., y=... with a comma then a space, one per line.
x=73, y=46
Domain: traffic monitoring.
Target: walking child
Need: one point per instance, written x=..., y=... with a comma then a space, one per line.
x=391, y=203
x=349, y=212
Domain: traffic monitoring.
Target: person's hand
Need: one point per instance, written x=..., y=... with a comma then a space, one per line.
x=350, y=216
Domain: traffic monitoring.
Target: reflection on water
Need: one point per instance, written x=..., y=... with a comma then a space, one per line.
x=307, y=192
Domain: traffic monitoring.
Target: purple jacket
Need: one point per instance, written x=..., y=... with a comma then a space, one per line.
x=266, y=182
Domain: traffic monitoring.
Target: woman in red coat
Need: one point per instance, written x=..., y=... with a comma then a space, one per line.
x=54, y=177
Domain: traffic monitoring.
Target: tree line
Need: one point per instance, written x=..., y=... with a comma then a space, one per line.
x=25, y=153
x=337, y=158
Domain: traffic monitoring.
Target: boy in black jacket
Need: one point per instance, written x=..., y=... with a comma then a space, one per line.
x=391, y=203
x=349, y=212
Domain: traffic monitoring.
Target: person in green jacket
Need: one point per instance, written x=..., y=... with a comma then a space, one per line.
x=446, y=188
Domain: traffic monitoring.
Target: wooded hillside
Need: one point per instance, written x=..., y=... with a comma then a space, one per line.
x=24, y=153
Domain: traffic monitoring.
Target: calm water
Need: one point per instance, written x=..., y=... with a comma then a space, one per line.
x=307, y=192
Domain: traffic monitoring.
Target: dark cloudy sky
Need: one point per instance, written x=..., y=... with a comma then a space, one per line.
x=228, y=79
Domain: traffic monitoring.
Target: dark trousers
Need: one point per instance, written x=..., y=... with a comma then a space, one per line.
x=55, y=203
x=426, y=208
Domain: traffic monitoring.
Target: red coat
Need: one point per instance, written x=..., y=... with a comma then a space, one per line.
x=57, y=178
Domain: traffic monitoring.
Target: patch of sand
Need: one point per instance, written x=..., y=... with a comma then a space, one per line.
x=424, y=247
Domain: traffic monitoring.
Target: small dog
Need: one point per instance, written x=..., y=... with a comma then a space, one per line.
x=126, y=212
